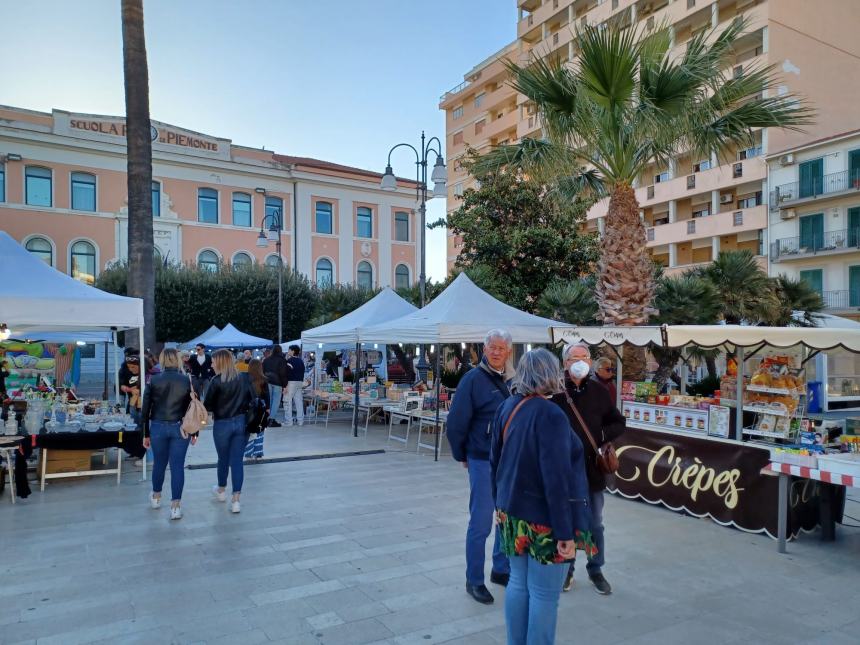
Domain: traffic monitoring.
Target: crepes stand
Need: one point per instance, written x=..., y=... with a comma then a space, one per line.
x=715, y=456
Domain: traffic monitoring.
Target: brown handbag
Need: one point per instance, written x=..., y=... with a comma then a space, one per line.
x=607, y=460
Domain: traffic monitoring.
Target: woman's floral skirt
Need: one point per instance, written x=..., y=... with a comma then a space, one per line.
x=526, y=538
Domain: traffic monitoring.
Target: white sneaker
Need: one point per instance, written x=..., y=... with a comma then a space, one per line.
x=220, y=495
x=155, y=502
x=175, y=513
x=235, y=507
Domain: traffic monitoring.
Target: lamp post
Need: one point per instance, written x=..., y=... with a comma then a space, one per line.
x=439, y=176
x=274, y=234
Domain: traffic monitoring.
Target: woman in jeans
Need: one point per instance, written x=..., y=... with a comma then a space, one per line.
x=541, y=494
x=227, y=397
x=165, y=401
x=254, y=448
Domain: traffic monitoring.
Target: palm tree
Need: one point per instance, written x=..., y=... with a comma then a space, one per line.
x=624, y=105
x=571, y=302
x=141, y=273
x=797, y=302
x=744, y=290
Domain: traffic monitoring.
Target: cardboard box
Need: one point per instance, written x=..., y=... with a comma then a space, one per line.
x=66, y=461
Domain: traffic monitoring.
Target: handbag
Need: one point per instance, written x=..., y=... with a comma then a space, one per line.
x=195, y=416
x=607, y=460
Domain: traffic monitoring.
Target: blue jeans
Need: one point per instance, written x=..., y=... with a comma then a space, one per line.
x=481, y=511
x=230, y=440
x=168, y=447
x=595, y=563
x=275, y=400
x=531, y=601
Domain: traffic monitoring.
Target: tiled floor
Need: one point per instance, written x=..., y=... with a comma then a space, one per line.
x=369, y=548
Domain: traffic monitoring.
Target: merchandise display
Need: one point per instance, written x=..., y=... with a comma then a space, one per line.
x=644, y=408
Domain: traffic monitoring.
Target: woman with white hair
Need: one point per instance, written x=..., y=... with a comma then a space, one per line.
x=541, y=494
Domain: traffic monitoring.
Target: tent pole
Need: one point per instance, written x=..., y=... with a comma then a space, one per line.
x=142, y=389
x=355, y=385
x=115, y=370
x=619, y=366
x=739, y=395
x=105, y=389
x=438, y=376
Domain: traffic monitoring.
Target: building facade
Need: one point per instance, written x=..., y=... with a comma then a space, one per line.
x=63, y=195
x=814, y=211
x=693, y=208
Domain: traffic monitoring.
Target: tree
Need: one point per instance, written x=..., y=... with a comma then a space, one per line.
x=798, y=302
x=412, y=294
x=570, y=301
x=744, y=291
x=337, y=300
x=141, y=275
x=518, y=236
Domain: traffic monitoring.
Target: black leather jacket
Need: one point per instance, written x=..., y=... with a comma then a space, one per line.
x=166, y=398
x=230, y=399
x=277, y=370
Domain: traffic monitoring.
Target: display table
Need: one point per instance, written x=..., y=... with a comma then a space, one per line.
x=8, y=448
x=372, y=408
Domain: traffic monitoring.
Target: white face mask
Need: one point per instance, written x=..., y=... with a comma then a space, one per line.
x=579, y=369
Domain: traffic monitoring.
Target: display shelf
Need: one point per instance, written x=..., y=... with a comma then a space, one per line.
x=762, y=433
x=760, y=410
x=665, y=427
x=816, y=474
x=772, y=390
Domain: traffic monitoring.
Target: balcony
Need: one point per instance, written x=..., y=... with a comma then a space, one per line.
x=815, y=244
x=498, y=126
x=747, y=219
x=841, y=300
x=717, y=178
x=835, y=184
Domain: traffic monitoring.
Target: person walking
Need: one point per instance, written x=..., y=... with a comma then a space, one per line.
x=295, y=385
x=541, y=491
x=277, y=374
x=165, y=401
x=254, y=448
x=200, y=365
x=604, y=373
x=479, y=394
x=228, y=396
x=605, y=424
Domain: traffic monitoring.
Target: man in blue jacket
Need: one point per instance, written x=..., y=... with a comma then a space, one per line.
x=479, y=394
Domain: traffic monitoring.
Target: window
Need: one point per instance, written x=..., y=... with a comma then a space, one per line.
x=208, y=260
x=691, y=226
x=241, y=209
x=457, y=112
x=691, y=181
x=156, y=199
x=663, y=176
x=274, y=212
x=207, y=205
x=242, y=259
x=364, y=276
x=401, y=227
x=273, y=261
x=814, y=278
x=854, y=286
x=83, y=191
x=2, y=183
x=479, y=99
x=458, y=189
x=325, y=274
x=811, y=177
x=401, y=277
x=737, y=170
x=84, y=262
x=364, y=218
x=88, y=350
x=703, y=211
x=479, y=126
x=458, y=138
x=650, y=234
x=738, y=218
x=811, y=232
x=37, y=186
x=42, y=249
x=751, y=201
x=705, y=164
x=324, y=218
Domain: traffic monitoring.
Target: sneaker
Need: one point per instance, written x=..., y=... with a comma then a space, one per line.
x=568, y=581
x=175, y=513
x=601, y=586
x=155, y=502
x=235, y=507
x=220, y=495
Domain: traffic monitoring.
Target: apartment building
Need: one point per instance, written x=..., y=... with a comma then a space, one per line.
x=814, y=211
x=63, y=195
x=693, y=208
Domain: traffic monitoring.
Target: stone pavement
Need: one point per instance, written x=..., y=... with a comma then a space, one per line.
x=369, y=549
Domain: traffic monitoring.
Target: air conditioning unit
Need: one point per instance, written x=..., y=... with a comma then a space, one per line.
x=727, y=199
x=786, y=160
x=787, y=213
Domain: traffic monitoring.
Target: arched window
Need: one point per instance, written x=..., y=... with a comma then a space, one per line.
x=42, y=249
x=401, y=277
x=325, y=273
x=401, y=227
x=273, y=261
x=83, y=191
x=208, y=260
x=242, y=259
x=84, y=262
x=241, y=209
x=364, y=225
x=364, y=275
x=323, y=215
x=207, y=205
x=37, y=186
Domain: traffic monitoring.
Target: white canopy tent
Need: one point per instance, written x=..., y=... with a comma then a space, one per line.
x=232, y=337
x=384, y=306
x=191, y=344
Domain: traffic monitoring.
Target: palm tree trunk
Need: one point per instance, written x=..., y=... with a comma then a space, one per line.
x=141, y=276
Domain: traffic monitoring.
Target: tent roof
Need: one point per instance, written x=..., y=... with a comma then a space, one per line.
x=232, y=337
x=461, y=313
x=384, y=306
x=201, y=338
x=67, y=336
x=34, y=296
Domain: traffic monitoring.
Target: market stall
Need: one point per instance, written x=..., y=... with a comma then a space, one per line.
x=202, y=338
x=232, y=338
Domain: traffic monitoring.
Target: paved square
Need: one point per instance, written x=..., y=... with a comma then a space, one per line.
x=369, y=549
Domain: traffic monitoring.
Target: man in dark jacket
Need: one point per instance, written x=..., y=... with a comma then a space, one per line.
x=605, y=423
x=479, y=394
x=200, y=365
x=277, y=374
x=295, y=386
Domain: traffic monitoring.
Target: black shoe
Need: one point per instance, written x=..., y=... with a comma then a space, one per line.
x=601, y=586
x=500, y=578
x=274, y=424
x=480, y=593
x=568, y=581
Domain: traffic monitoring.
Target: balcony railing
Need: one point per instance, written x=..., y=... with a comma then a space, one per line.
x=455, y=89
x=815, y=243
x=842, y=299
x=836, y=182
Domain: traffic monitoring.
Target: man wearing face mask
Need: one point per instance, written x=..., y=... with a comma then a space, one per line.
x=605, y=423
x=469, y=427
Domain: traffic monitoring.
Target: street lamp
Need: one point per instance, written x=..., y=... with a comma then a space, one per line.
x=439, y=176
x=273, y=234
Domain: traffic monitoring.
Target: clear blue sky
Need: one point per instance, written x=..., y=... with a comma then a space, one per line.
x=341, y=80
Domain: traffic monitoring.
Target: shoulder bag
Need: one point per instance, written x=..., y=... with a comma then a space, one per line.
x=607, y=460
x=195, y=416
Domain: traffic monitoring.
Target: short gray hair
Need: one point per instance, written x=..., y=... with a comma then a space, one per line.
x=569, y=348
x=499, y=333
x=602, y=362
x=538, y=373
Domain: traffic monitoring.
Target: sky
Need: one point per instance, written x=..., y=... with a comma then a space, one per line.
x=340, y=80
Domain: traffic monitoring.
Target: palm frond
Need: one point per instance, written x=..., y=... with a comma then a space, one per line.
x=607, y=65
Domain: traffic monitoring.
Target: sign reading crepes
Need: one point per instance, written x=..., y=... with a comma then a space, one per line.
x=162, y=135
